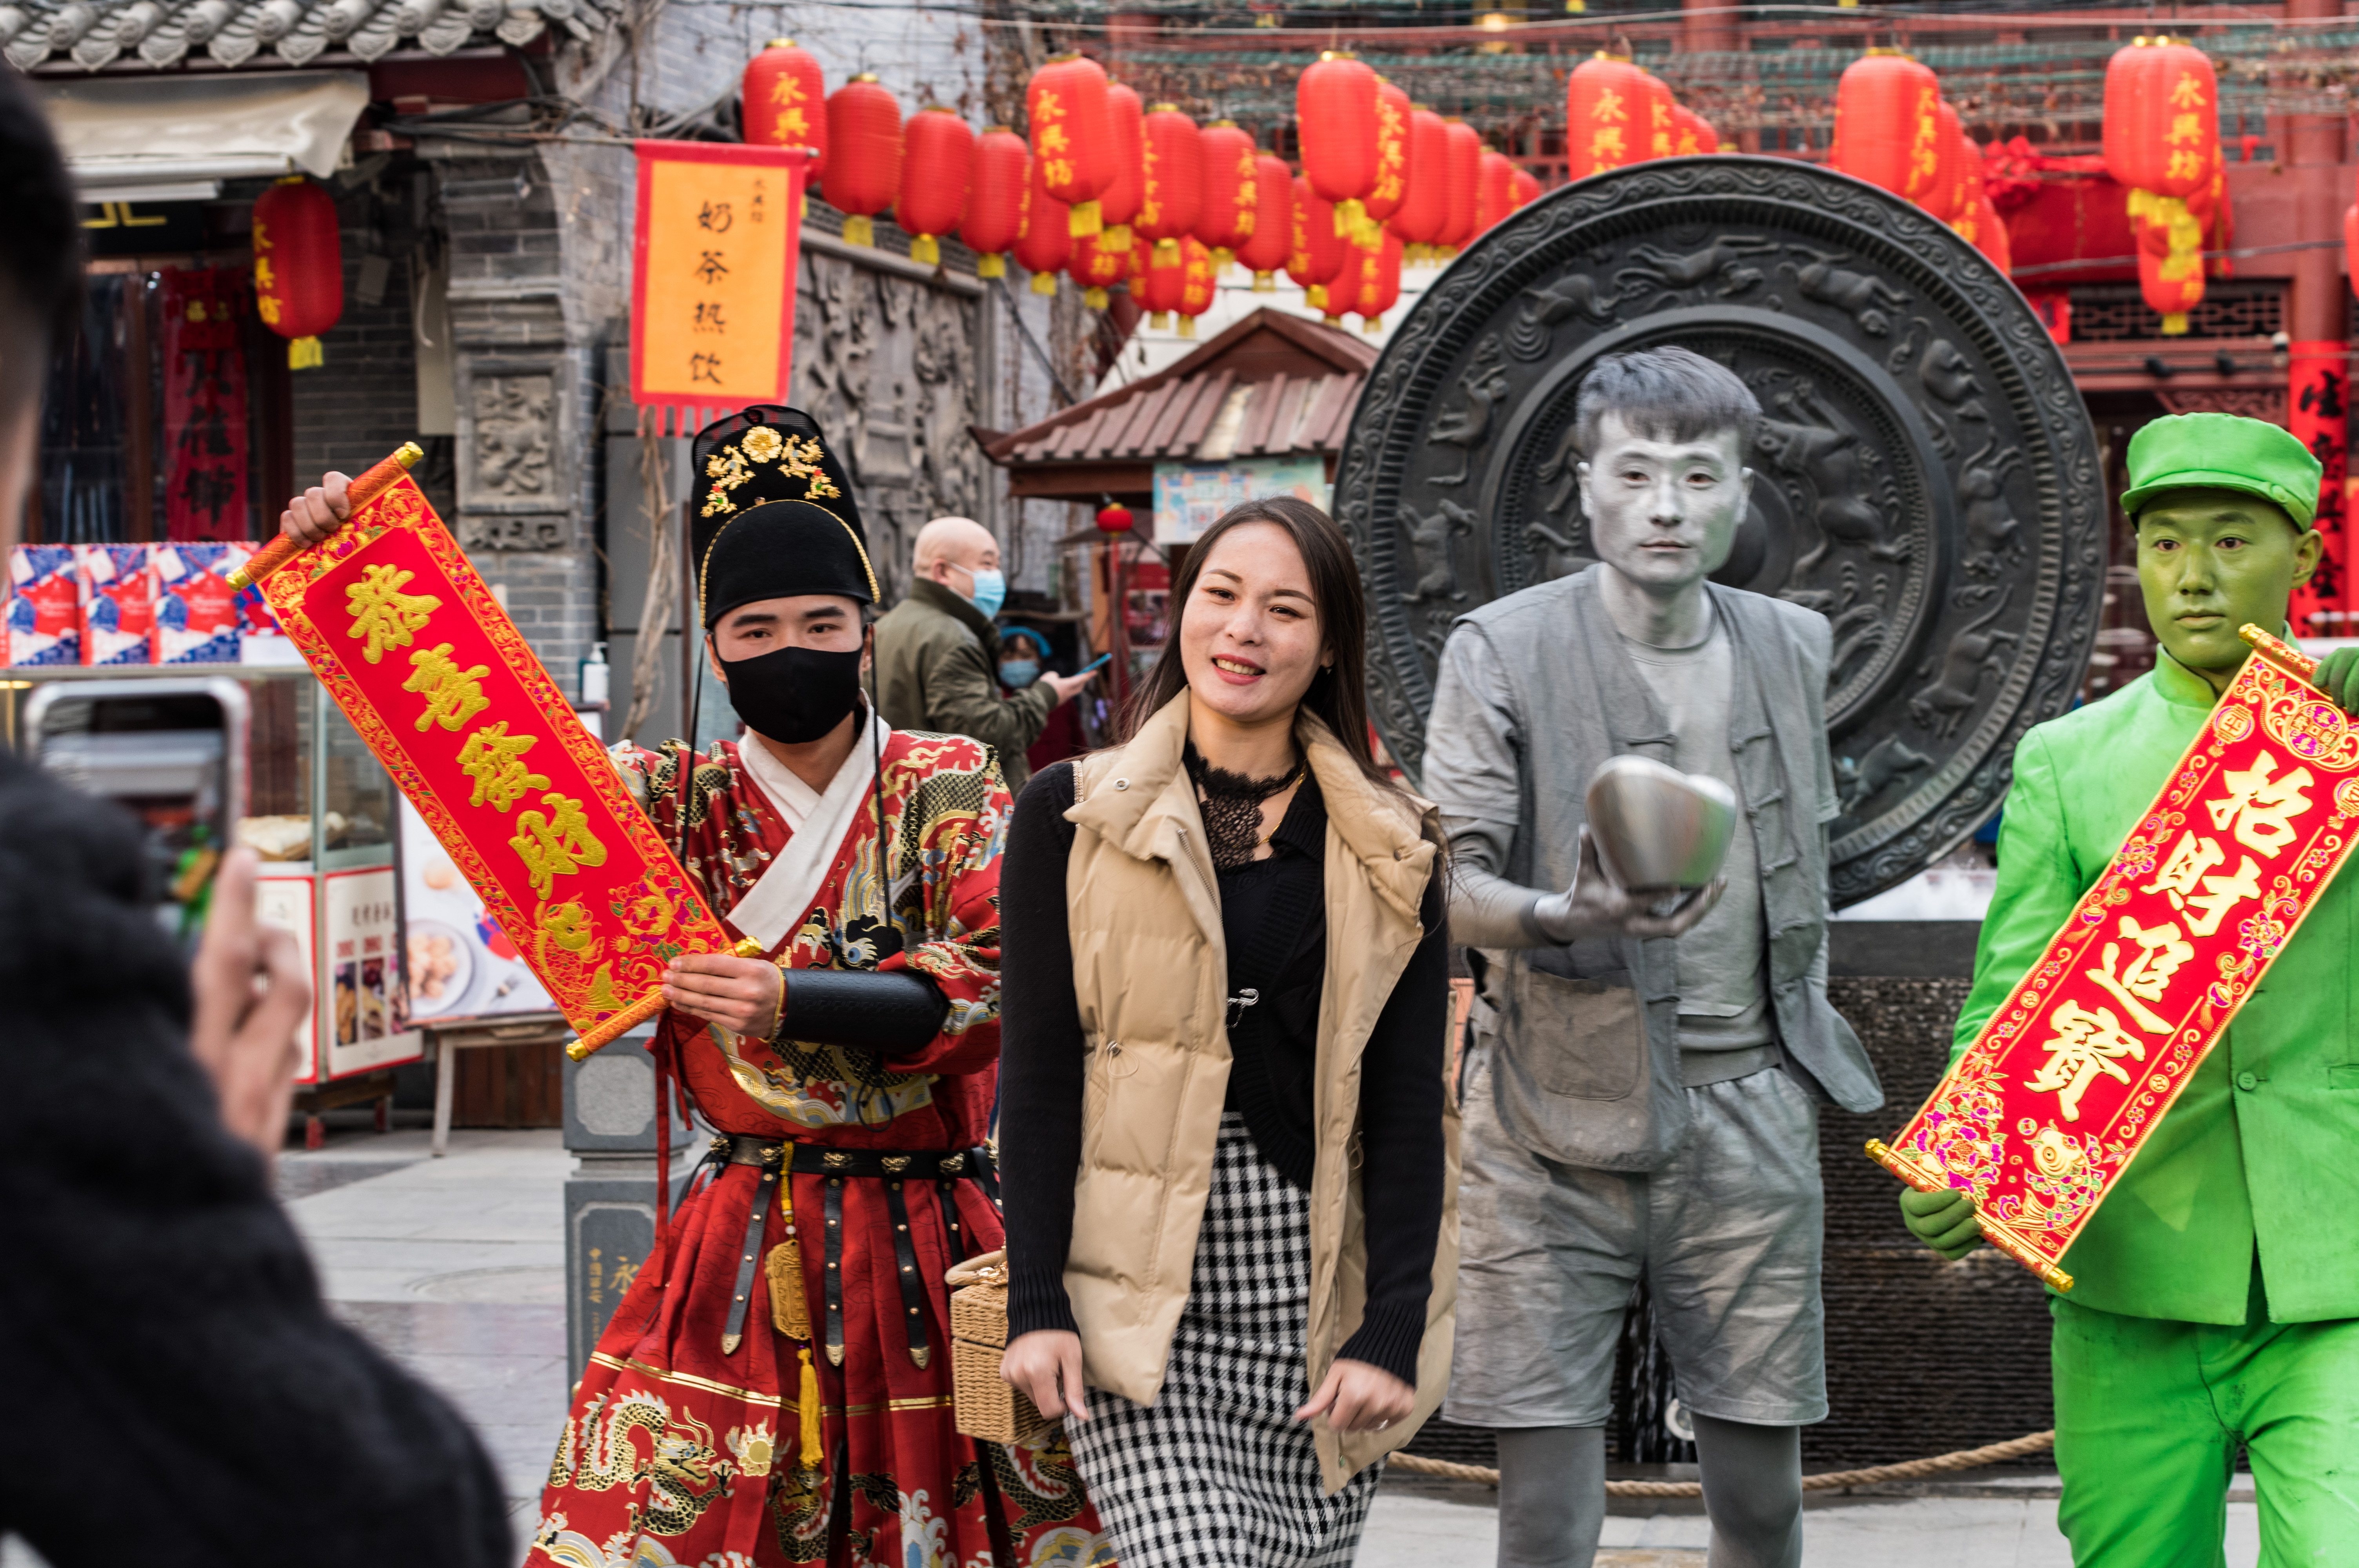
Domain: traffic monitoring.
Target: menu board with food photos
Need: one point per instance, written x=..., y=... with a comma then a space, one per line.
x=460, y=964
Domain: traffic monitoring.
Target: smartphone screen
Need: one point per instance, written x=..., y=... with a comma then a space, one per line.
x=172, y=752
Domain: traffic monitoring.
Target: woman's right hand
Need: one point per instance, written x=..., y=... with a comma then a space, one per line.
x=1047, y=1365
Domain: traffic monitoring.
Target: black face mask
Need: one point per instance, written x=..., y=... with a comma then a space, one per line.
x=793, y=694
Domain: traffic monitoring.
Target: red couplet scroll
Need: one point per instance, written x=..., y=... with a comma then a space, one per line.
x=2072, y=1074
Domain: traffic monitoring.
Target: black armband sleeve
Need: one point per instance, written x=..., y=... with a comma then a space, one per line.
x=887, y=1014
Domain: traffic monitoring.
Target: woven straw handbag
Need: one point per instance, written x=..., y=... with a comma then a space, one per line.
x=988, y=1406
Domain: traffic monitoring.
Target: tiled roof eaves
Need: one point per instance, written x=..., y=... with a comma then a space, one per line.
x=96, y=34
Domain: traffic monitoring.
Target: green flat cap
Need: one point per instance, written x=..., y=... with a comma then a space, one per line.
x=2223, y=451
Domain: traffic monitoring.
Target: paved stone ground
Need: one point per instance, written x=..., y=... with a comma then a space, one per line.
x=455, y=1266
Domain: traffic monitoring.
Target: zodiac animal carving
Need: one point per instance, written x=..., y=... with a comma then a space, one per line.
x=1976, y=650
x=1814, y=444
x=1554, y=554
x=1430, y=538
x=1485, y=385
x=1861, y=779
x=1543, y=305
x=1672, y=273
x=1991, y=524
x=1861, y=295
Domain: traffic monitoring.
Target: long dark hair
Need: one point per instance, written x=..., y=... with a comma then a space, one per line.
x=1338, y=694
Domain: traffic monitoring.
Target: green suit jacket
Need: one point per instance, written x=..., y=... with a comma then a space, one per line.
x=2263, y=1147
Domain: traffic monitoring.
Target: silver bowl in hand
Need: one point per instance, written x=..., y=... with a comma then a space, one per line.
x=1657, y=826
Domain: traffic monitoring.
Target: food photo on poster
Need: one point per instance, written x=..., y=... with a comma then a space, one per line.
x=460, y=964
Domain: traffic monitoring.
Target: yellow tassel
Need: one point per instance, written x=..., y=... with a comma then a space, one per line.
x=1372, y=325
x=303, y=353
x=858, y=230
x=1265, y=283
x=1095, y=297
x=991, y=266
x=1044, y=282
x=807, y=1404
x=926, y=249
x=1350, y=217
x=1332, y=320
x=1186, y=326
x=1118, y=238
x=1221, y=257
x=1085, y=219
x=1160, y=320
x=1167, y=254
x=1315, y=296
x=2175, y=325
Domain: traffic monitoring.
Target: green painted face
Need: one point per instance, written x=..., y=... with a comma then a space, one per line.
x=2209, y=561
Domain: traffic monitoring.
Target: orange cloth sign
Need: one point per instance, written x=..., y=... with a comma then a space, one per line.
x=712, y=286
x=2045, y=1110
x=408, y=639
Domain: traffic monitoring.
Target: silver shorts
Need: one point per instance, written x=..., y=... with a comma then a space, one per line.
x=1729, y=1234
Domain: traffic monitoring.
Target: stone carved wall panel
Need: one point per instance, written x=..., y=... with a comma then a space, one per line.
x=1926, y=476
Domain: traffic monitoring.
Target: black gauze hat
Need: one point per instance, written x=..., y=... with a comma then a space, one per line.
x=774, y=515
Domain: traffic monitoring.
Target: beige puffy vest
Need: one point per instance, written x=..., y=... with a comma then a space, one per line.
x=1150, y=971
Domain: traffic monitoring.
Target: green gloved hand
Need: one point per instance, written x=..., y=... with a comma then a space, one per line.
x=2338, y=677
x=1942, y=1221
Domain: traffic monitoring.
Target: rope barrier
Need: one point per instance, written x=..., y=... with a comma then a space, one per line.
x=1832, y=1480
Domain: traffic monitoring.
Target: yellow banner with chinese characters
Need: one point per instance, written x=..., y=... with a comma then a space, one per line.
x=408, y=640
x=2072, y=1074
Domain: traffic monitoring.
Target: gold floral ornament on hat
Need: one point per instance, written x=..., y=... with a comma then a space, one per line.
x=793, y=457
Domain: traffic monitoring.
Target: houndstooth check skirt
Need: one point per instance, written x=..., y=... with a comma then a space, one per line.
x=1217, y=1473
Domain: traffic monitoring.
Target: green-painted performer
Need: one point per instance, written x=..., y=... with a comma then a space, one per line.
x=2216, y=1294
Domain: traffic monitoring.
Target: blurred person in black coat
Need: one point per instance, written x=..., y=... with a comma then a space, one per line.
x=176, y=1392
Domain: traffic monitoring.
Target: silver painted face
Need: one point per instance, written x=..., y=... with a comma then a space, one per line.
x=1657, y=826
x=1664, y=513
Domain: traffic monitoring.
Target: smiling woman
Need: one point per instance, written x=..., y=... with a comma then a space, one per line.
x=1249, y=897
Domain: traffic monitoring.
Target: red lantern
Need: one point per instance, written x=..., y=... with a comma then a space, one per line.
x=1609, y=115
x=298, y=265
x=1172, y=181
x=1692, y=133
x=1527, y=188
x=1164, y=284
x=864, y=170
x=1273, y=235
x=2162, y=117
x=995, y=200
x=1465, y=166
x=1097, y=264
x=1341, y=295
x=1888, y=124
x=1224, y=218
x=1949, y=197
x=1392, y=154
x=1335, y=116
x=1072, y=136
x=1118, y=207
x=1495, y=190
x=1114, y=517
x=1046, y=241
x=936, y=165
x=1424, y=213
x=1195, y=284
x=1318, y=251
x=1379, y=289
x=784, y=101
x=1662, y=132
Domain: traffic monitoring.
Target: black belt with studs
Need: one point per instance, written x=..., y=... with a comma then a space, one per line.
x=775, y=1157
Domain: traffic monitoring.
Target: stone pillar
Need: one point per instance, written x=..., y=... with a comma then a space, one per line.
x=2319, y=312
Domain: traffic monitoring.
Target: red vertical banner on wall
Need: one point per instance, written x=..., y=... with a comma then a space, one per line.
x=2318, y=411
x=204, y=404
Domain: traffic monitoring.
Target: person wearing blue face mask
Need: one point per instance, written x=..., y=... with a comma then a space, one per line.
x=936, y=651
x=1019, y=657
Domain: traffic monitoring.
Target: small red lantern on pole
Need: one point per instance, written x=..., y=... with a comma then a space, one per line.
x=864, y=170
x=299, y=266
x=1226, y=213
x=1335, y=116
x=1609, y=115
x=995, y=200
x=937, y=168
x=1172, y=180
x=1273, y=235
x=785, y=102
x=1115, y=518
x=1424, y=211
x=1072, y=136
x=1046, y=242
x=1888, y=124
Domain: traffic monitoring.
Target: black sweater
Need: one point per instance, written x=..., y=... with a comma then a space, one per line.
x=1275, y=905
x=159, y=1316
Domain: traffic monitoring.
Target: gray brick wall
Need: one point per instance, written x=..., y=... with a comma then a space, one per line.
x=362, y=402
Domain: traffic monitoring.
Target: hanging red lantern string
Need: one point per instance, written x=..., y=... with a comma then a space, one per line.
x=1391, y=185
x=1225, y=215
x=1171, y=182
x=2162, y=141
x=1692, y=133
x=1335, y=119
x=995, y=200
x=1464, y=163
x=784, y=100
x=1495, y=189
x=1196, y=288
x=1318, y=252
x=1072, y=136
x=1888, y=124
x=1609, y=115
x=1118, y=207
x=1163, y=283
x=1273, y=235
x=298, y=265
x=1424, y=211
x=1661, y=108
x=1380, y=280
x=1527, y=188
x=1046, y=241
x=1097, y=264
x=863, y=165
x=937, y=168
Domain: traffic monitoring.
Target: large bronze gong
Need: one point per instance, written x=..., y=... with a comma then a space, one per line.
x=1927, y=476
